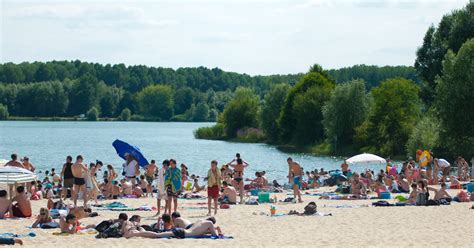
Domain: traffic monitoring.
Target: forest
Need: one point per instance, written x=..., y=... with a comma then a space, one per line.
x=74, y=88
x=356, y=109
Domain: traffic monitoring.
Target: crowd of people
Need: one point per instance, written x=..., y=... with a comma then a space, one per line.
x=224, y=185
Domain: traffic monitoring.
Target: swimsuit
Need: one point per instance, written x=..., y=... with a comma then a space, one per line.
x=150, y=179
x=179, y=233
x=189, y=226
x=79, y=181
x=239, y=178
x=297, y=181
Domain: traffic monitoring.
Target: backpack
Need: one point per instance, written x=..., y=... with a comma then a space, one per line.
x=310, y=209
x=112, y=232
x=101, y=227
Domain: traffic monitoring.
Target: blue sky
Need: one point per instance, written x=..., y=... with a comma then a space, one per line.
x=254, y=37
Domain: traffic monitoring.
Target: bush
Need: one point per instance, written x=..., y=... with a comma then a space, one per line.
x=214, y=132
x=93, y=114
x=125, y=115
x=424, y=136
x=251, y=135
x=3, y=112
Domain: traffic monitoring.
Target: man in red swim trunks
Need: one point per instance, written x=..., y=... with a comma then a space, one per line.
x=214, y=182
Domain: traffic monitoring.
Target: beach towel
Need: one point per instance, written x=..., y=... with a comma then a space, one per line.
x=86, y=231
x=213, y=237
x=160, y=181
x=173, y=179
x=316, y=214
x=14, y=235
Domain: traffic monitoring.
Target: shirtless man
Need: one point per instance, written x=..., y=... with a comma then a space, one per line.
x=27, y=165
x=239, y=177
x=296, y=172
x=403, y=183
x=22, y=208
x=14, y=161
x=150, y=171
x=229, y=194
x=180, y=222
x=441, y=193
x=5, y=204
x=78, y=171
x=198, y=229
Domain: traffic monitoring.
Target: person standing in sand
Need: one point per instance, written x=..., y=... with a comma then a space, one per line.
x=160, y=187
x=239, y=177
x=131, y=169
x=78, y=171
x=296, y=173
x=68, y=178
x=214, y=182
x=172, y=185
x=150, y=171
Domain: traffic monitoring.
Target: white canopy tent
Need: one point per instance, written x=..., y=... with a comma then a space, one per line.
x=366, y=158
x=13, y=175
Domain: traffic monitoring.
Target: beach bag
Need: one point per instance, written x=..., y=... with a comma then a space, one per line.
x=112, y=232
x=310, y=209
x=101, y=227
x=421, y=199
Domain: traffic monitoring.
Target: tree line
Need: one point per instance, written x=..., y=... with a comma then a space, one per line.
x=75, y=88
x=393, y=116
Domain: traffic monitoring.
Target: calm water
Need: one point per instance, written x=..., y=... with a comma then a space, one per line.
x=48, y=143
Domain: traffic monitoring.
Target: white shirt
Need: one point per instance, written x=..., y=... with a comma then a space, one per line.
x=443, y=163
x=130, y=168
x=160, y=180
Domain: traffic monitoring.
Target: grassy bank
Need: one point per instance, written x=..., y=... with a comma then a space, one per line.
x=218, y=132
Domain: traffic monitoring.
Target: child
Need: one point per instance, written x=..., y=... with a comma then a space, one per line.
x=144, y=185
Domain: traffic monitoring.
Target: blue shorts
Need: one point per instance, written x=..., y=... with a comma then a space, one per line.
x=297, y=181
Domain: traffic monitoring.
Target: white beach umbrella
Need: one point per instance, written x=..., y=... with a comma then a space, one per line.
x=366, y=158
x=12, y=175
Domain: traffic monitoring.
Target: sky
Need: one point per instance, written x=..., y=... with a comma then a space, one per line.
x=257, y=37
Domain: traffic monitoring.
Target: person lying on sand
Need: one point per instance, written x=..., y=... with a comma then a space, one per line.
x=180, y=222
x=68, y=224
x=10, y=241
x=43, y=218
x=5, y=204
x=79, y=212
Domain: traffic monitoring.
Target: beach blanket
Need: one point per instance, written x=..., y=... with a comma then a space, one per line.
x=14, y=235
x=86, y=231
x=213, y=237
x=316, y=214
x=173, y=179
x=118, y=206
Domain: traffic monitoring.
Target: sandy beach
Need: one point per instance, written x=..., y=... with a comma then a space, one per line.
x=353, y=223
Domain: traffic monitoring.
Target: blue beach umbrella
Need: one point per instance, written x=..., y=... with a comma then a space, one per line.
x=122, y=148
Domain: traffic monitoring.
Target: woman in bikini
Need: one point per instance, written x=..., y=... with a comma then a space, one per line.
x=111, y=176
x=238, y=181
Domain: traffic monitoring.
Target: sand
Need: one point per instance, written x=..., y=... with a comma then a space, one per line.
x=359, y=226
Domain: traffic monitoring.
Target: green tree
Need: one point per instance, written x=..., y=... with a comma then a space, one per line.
x=93, y=114
x=242, y=111
x=85, y=94
x=110, y=100
x=453, y=101
x=395, y=112
x=156, y=101
x=201, y=113
x=452, y=31
x=125, y=115
x=183, y=99
x=345, y=111
x=3, y=112
x=273, y=104
x=301, y=117
x=424, y=136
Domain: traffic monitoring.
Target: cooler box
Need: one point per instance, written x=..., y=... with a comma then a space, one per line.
x=385, y=195
x=254, y=192
x=470, y=187
x=263, y=197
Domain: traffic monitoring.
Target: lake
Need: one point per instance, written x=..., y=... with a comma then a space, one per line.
x=48, y=143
